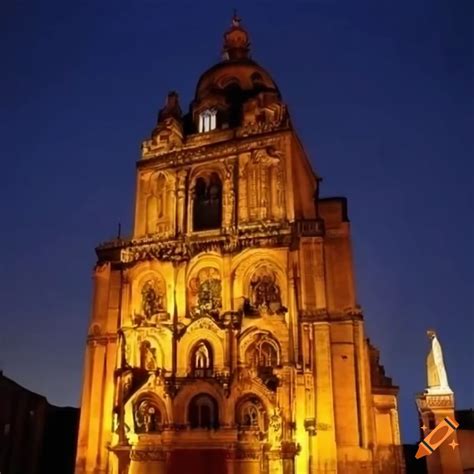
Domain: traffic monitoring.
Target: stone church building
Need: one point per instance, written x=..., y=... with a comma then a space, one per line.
x=225, y=335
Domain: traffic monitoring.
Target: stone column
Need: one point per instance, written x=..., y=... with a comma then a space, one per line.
x=100, y=303
x=82, y=442
x=122, y=459
x=228, y=197
x=97, y=395
x=288, y=452
x=125, y=303
x=362, y=383
x=148, y=461
x=292, y=318
x=181, y=198
x=275, y=465
x=243, y=203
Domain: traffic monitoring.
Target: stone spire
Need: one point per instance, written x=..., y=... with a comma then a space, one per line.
x=236, y=41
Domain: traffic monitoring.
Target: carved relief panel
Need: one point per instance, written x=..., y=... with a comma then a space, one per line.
x=264, y=294
x=205, y=293
x=147, y=417
x=261, y=187
x=229, y=196
x=150, y=301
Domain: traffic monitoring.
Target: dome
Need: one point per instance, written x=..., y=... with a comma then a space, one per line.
x=236, y=70
x=231, y=92
x=242, y=73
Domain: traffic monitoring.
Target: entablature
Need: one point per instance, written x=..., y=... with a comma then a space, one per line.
x=270, y=234
x=205, y=150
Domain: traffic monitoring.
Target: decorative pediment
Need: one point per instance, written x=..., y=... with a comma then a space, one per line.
x=206, y=322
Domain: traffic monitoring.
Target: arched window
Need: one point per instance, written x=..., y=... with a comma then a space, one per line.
x=148, y=418
x=207, y=205
x=202, y=360
x=207, y=120
x=203, y=412
x=250, y=414
x=262, y=353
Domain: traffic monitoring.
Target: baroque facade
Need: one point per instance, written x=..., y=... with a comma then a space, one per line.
x=225, y=334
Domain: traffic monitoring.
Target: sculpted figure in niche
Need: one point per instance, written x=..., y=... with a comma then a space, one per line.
x=265, y=292
x=152, y=304
x=206, y=293
x=202, y=357
x=147, y=417
x=201, y=360
x=276, y=426
x=264, y=184
x=147, y=356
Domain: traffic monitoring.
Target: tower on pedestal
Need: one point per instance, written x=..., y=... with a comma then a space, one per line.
x=225, y=334
x=434, y=405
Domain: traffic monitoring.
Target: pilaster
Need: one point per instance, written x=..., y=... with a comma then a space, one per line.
x=324, y=443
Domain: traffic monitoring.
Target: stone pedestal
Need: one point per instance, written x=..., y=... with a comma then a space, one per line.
x=433, y=409
x=275, y=465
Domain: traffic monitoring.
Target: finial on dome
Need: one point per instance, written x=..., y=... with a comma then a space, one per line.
x=235, y=19
x=236, y=40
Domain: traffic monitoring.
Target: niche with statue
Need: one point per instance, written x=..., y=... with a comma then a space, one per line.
x=147, y=417
x=205, y=293
x=152, y=303
x=264, y=294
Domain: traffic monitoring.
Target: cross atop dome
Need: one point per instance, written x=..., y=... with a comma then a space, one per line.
x=236, y=40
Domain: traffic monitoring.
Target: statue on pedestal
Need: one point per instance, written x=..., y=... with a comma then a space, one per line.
x=436, y=371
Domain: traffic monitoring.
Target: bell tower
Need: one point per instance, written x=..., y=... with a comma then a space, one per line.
x=225, y=334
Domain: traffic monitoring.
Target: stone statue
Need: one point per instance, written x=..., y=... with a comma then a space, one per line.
x=436, y=372
x=147, y=417
x=275, y=428
x=152, y=302
x=147, y=356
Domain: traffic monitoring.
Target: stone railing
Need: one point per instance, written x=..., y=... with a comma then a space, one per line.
x=309, y=227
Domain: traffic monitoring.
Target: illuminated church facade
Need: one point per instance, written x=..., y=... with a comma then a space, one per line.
x=225, y=334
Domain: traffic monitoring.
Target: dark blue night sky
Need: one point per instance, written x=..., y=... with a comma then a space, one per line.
x=381, y=93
